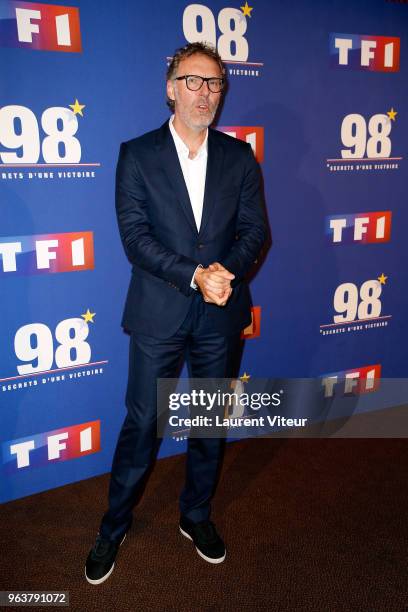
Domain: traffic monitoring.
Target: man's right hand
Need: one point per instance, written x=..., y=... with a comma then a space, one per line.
x=214, y=283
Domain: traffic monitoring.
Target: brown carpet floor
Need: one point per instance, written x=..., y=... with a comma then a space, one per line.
x=309, y=525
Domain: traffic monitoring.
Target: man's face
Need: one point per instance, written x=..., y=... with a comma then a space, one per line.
x=196, y=109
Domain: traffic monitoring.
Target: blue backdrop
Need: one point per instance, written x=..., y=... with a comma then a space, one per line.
x=317, y=88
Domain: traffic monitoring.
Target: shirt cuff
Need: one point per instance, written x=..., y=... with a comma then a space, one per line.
x=193, y=285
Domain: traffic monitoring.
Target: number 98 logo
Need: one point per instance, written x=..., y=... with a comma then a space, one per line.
x=19, y=131
x=34, y=345
x=199, y=26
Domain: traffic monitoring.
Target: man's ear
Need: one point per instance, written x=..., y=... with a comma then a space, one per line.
x=170, y=90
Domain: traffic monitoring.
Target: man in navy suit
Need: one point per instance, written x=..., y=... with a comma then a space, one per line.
x=191, y=218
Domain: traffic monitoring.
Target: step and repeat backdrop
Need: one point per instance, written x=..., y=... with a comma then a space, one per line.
x=318, y=89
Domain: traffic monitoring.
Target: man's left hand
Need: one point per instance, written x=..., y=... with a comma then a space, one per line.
x=223, y=299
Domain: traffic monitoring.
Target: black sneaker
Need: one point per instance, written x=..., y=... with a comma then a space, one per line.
x=206, y=539
x=101, y=559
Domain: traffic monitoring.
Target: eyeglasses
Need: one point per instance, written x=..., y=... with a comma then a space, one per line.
x=195, y=82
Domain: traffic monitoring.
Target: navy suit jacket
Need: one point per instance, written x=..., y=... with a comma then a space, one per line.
x=160, y=237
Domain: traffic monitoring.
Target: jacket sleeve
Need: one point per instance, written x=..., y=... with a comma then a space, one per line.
x=139, y=242
x=251, y=229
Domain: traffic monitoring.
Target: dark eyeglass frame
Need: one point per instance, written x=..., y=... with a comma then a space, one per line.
x=207, y=79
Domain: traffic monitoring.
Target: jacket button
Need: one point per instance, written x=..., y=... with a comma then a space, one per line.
x=200, y=246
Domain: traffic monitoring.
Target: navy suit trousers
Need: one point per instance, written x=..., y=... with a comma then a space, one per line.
x=208, y=355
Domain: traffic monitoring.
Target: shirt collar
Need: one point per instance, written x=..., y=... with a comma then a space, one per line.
x=181, y=147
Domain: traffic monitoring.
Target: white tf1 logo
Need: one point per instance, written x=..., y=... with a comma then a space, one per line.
x=47, y=253
x=43, y=27
x=364, y=228
x=359, y=380
x=365, y=52
x=57, y=445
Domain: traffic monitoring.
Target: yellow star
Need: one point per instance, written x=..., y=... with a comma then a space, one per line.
x=88, y=316
x=392, y=113
x=245, y=377
x=382, y=278
x=246, y=9
x=77, y=107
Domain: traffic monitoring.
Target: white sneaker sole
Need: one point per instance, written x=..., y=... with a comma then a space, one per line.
x=106, y=576
x=209, y=559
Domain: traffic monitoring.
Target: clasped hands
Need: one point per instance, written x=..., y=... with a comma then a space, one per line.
x=214, y=283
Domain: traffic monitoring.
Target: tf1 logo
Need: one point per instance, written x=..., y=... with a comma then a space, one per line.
x=254, y=328
x=252, y=135
x=365, y=52
x=46, y=253
x=57, y=445
x=356, y=381
x=362, y=228
x=43, y=27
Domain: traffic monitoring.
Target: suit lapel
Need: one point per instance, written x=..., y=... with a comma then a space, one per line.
x=174, y=173
x=213, y=178
x=171, y=165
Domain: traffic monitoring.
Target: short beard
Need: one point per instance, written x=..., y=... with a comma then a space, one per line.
x=186, y=117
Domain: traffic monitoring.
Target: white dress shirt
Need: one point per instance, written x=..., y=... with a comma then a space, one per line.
x=194, y=173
